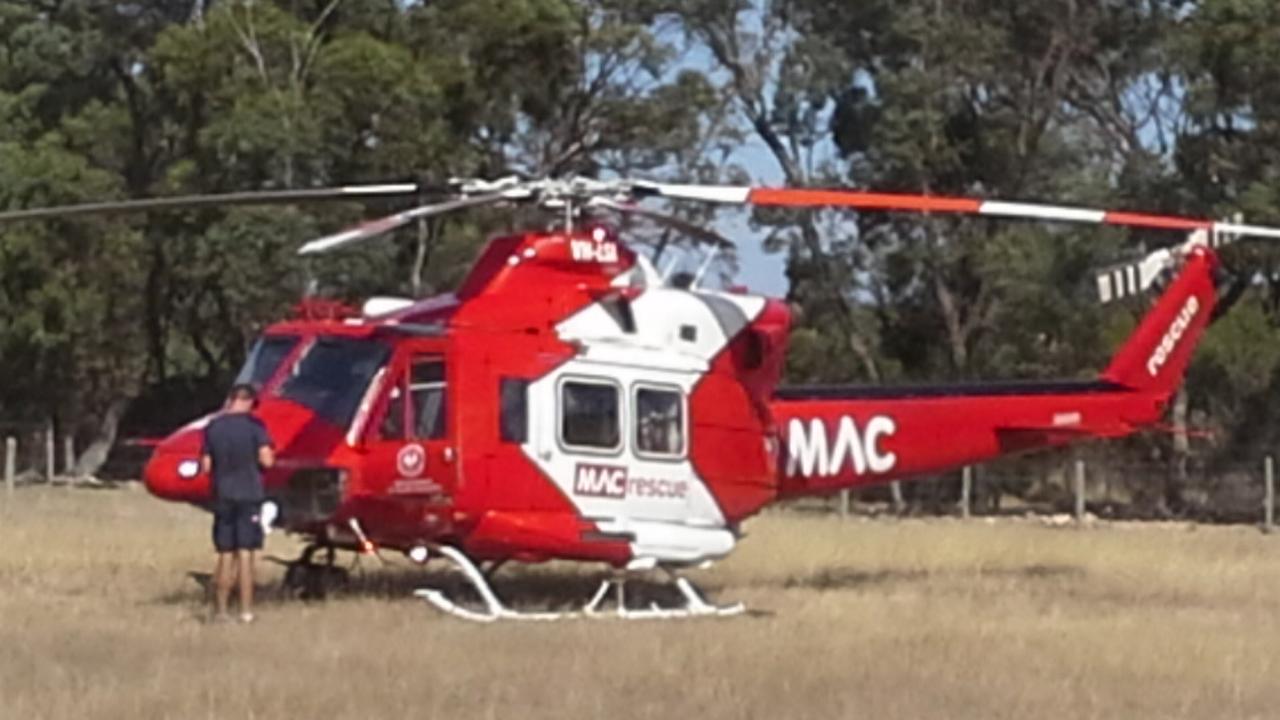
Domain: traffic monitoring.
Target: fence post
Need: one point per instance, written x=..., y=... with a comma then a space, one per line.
x=1269, y=497
x=1079, y=491
x=895, y=490
x=966, y=490
x=10, y=463
x=844, y=503
x=48, y=452
x=69, y=456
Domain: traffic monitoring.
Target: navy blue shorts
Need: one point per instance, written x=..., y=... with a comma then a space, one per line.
x=237, y=525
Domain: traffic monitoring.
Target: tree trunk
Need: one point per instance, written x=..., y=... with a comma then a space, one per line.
x=95, y=455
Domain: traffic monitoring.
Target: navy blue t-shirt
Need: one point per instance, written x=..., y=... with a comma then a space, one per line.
x=232, y=441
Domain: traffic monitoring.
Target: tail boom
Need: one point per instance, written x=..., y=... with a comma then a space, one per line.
x=832, y=444
x=847, y=437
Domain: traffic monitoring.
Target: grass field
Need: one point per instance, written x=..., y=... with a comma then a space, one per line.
x=98, y=619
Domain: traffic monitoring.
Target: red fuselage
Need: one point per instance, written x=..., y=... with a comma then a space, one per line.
x=566, y=404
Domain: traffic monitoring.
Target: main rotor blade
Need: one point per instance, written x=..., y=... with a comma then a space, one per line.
x=902, y=202
x=250, y=197
x=380, y=226
x=697, y=232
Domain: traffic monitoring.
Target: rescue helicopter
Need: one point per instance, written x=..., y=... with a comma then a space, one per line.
x=569, y=401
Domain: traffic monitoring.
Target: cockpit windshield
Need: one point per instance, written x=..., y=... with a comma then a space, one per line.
x=332, y=375
x=265, y=357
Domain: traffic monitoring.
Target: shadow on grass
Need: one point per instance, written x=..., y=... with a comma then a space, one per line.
x=534, y=589
x=848, y=578
x=528, y=589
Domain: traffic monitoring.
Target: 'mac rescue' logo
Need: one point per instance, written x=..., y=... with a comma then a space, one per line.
x=1171, y=336
x=600, y=481
x=612, y=481
x=810, y=451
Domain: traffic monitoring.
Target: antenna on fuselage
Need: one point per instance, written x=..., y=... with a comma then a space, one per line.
x=706, y=265
x=671, y=266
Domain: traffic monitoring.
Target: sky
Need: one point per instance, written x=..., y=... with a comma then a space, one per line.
x=761, y=272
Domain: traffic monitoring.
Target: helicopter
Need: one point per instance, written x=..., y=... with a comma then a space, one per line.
x=569, y=401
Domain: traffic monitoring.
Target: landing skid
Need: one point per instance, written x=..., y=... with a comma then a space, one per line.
x=694, y=604
x=494, y=609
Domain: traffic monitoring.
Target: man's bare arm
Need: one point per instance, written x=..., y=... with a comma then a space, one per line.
x=206, y=463
x=266, y=456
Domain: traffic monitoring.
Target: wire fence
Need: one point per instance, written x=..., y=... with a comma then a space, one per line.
x=1082, y=490
x=24, y=452
x=41, y=453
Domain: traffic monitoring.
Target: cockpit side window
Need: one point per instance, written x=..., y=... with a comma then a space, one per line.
x=424, y=417
x=427, y=388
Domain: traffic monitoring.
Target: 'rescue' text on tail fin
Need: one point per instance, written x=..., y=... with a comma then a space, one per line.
x=1156, y=355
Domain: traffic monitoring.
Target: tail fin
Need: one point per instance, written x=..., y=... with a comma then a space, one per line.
x=1156, y=356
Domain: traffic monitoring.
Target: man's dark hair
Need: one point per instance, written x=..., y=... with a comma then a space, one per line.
x=243, y=391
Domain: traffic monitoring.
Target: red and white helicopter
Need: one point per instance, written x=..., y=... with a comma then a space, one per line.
x=568, y=402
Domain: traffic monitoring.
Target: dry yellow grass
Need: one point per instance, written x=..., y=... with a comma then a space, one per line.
x=869, y=619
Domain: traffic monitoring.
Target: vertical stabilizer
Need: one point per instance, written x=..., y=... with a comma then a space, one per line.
x=1155, y=357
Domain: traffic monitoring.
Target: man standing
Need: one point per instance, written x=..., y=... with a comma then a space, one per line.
x=236, y=448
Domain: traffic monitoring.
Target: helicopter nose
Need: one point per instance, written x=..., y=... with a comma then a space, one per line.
x=173, y=472
x=174, y=477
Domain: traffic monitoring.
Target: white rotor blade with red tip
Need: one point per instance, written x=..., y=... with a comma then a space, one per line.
x=380, y=226
x=903, y=202
x=184, y=202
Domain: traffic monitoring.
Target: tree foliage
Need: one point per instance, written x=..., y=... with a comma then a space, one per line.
x=1164, y=105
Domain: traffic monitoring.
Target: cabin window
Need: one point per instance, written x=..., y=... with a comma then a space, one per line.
x=513, y=415
x=590, y=415
x=659, y=421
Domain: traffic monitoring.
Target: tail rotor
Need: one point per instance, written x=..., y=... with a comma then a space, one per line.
x=1136, y=277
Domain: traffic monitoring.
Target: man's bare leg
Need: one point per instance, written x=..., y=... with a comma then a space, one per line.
x=223, y=579
x=246, y=559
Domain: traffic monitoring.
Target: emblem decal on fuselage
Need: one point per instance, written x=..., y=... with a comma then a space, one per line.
x=810, y=453
x=411, y=460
